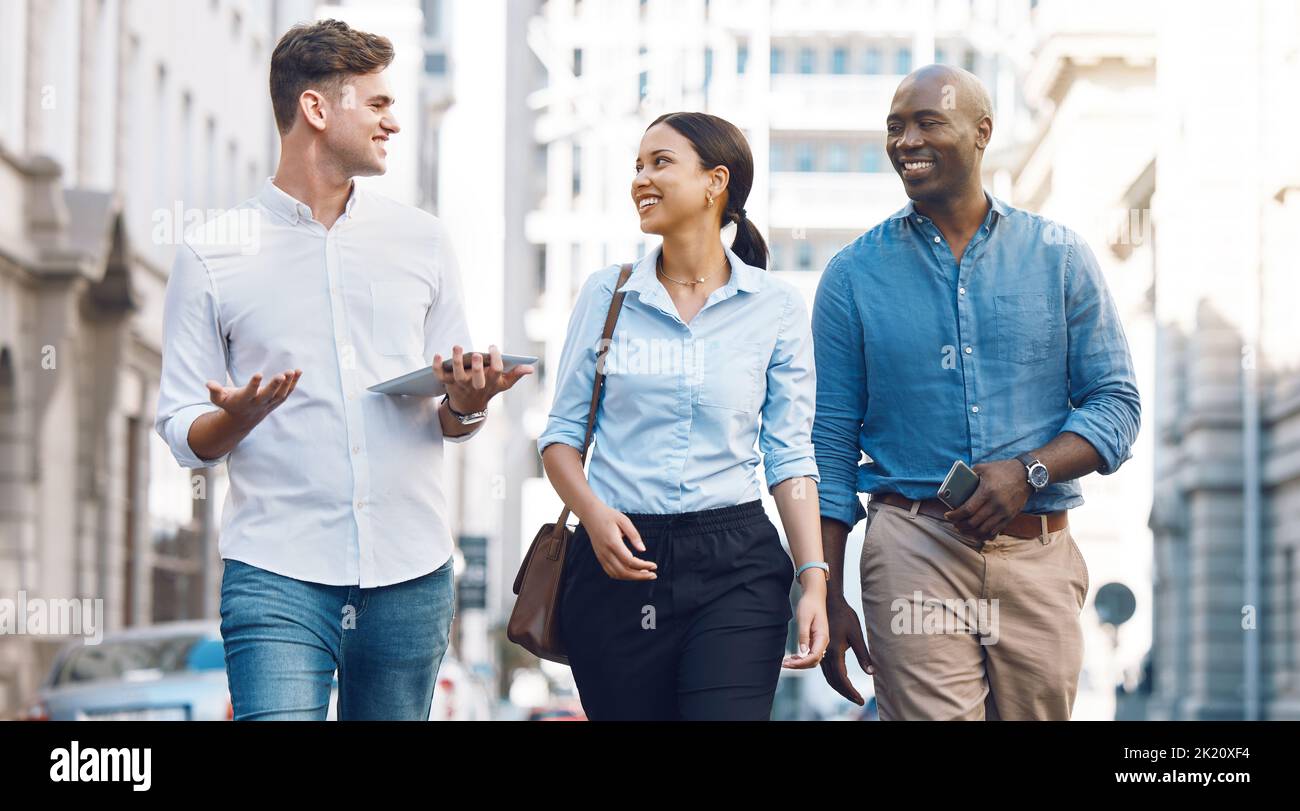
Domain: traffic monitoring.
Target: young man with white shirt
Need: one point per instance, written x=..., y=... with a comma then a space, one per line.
x=335, y=538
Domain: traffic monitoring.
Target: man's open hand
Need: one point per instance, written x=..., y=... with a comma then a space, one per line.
x=249, y=404
x=469, y=390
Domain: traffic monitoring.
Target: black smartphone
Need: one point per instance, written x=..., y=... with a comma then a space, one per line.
x=958, y=485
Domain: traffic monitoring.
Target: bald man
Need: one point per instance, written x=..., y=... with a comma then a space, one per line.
x=963, y=329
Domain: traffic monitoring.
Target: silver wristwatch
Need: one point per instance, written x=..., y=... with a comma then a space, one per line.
x=1035, y=471
x=464, y=419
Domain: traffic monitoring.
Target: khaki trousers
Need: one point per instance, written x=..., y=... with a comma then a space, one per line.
x=962, y=632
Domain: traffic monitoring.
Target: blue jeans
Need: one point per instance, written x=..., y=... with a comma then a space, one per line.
x=284, y=638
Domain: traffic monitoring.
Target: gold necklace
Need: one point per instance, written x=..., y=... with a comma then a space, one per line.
x=659, y=268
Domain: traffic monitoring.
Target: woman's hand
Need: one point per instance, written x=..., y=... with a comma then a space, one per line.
x=611, y=531
x=814, y=633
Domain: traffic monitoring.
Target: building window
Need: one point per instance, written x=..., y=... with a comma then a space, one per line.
x=869, y=158
x=837, y=158
x=541, y=268
x=162, y=144
x=968, y=61
x=708, y=67
x=210, y=193
x=435, y=63
x=872, y=64
x=903, y=61
x=778, y=60
x=577, y=61
x=187, y=151
x=577, y=170
x=807, y=60
x=232, y=174
x=840, y=60
x=805, y=255
x=742, y=57
x=643, y=78
x=804, y=158
x=433, y=18
x=940, y=56
x=777, y=159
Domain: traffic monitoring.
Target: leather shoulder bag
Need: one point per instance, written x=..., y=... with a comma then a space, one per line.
x=535, y=619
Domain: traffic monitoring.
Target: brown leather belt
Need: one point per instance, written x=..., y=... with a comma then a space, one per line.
x=1024, y=525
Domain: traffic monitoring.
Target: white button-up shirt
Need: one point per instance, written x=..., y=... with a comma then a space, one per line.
x=338, y=485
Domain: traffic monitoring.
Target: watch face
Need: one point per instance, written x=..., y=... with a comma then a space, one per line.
x=1038, y=475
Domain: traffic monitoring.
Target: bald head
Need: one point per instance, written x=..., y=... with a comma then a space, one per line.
x=960, y=91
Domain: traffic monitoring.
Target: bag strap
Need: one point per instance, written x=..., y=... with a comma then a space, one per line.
x=611, y=318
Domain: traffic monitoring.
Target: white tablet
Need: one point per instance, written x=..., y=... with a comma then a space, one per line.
x=424, y=383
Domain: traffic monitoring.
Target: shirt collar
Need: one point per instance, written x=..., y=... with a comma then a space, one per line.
x=292, y=209
x=643, y=280
x=996, y=206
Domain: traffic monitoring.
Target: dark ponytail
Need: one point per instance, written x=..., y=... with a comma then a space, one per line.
x=719, y=143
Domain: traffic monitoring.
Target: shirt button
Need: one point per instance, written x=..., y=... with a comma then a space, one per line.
x=961, y=291
x=361, y=505
x=975, y=409
x=356, y=449
x=968, y=350
x=938, y=239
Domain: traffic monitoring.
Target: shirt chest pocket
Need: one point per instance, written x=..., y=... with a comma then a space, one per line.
x=397, y=317
x=730, y=374
x=1026, y=327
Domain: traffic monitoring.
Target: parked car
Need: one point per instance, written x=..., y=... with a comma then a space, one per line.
x=174, y=671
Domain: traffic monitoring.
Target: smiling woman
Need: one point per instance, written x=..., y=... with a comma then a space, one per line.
x=674, y=494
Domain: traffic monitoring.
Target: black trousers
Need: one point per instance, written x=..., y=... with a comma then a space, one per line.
x=703, y=641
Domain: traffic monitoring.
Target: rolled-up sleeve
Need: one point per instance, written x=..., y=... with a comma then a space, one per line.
x=841, y=393
x=567, y=422
x=194, y=352
x=1106, y=410
x=445, y=325
x=785, y=434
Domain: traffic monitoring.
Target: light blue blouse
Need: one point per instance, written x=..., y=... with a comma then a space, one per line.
x=681, y=409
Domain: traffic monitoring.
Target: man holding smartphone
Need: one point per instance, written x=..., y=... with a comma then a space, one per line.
x=963, y=329
x=336, y=544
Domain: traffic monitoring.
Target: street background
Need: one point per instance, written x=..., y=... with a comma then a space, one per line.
x=1166, y=133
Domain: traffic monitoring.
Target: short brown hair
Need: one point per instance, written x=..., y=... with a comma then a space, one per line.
x=320, y=55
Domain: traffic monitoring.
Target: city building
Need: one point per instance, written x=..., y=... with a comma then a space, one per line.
x=1224, y=194
x=116, y=134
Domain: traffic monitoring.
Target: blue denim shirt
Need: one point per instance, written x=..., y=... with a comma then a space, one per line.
x=923, y=361
x=679, y=416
